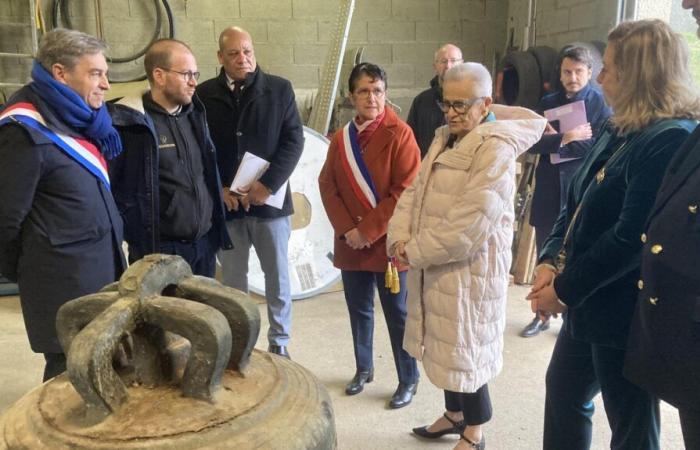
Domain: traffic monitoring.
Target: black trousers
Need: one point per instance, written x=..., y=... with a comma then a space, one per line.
x=690, y=425
x=359, y=296
x=199, y=254
x=475, y=406
x=55, y=365
x=577, y=372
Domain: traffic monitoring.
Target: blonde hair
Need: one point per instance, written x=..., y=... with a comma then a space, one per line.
x=655, y=81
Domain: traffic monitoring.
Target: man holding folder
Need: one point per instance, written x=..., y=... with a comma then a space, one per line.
x=578, y=110
x=252, y=112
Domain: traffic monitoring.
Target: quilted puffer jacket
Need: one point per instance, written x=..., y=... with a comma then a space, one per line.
x=457, y=221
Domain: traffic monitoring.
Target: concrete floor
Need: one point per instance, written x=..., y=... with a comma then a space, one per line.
x=322, y=343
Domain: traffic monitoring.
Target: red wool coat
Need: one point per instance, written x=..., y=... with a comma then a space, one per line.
x=392, y=158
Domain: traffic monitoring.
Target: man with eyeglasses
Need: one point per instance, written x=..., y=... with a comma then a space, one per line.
x=425, y=117
x=251, y=111
x=561, y=154
x=166, y=182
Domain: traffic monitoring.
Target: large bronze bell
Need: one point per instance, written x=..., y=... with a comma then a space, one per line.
x=164, y=360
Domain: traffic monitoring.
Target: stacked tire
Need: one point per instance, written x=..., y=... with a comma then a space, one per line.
x=526, y=76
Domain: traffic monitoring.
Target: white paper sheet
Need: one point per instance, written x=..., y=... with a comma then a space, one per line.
x=251, y=169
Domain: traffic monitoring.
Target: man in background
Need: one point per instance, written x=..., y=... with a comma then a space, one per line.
x=251, y=111
x=425, y=116
x=561, y=154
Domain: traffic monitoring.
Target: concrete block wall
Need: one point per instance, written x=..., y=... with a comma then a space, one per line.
x=292, y=36
x=558, y=22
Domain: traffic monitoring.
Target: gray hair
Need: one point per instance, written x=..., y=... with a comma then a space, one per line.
x=474, y=72
x=66, y=47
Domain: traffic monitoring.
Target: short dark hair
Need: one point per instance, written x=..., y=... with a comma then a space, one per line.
x=578, y=54
x=158, y=55
x=373, y=71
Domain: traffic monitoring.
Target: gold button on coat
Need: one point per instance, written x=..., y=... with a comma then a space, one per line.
x=653, y=300
x=656, y=249
x=693, y=209
x=643, y=237
x=640, y=284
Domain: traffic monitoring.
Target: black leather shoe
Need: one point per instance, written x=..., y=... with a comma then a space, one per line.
x=533, y=328
x=279, y=350
x=403, y=395
x=357, y=384
x=455, y=428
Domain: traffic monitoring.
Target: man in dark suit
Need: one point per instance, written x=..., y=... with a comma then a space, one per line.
x=60, y=230
x=250, y=111
x=561, y=154
x=425, y=116
x=663, y=354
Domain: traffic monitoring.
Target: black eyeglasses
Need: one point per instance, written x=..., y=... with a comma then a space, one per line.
x=460, y=106
x=187, y=76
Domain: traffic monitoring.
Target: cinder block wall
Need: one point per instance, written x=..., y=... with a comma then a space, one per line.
x=559, y=22
x=292, y=36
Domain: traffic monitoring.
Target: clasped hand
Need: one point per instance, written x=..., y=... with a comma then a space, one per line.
x=543, y=298
x=252, y=194
x=356, y=240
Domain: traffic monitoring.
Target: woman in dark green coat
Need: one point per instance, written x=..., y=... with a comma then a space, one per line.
x=589, y=267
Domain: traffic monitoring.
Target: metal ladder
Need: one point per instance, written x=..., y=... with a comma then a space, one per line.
x=35, y=40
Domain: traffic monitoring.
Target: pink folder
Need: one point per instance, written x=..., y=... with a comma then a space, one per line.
x=569, y=116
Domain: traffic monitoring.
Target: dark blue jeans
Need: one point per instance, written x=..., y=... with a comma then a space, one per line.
x=359, y=296
x=577, y=372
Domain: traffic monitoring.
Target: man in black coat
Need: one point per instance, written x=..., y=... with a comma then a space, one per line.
x=253, y=112
x=425, y=116
x=663, y=354
x=561, y=154
x=60, y=231
x=166, y=182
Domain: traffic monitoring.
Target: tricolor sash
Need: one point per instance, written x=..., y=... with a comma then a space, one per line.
x=81, y=150
x=355, y=168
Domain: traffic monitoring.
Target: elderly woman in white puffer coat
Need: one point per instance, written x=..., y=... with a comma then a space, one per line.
x=454, y=227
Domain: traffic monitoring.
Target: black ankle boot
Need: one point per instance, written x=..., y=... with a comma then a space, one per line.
x=357, y=384
x=403, y=395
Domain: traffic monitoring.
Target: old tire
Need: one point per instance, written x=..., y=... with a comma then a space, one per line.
x=519, y=81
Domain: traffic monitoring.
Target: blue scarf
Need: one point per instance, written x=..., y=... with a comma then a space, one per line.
x=95, y=124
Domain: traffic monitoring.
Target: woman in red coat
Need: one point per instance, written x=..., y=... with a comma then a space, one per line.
x=370, y=162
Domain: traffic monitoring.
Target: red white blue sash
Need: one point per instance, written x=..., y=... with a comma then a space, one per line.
x=81, y=150
x=355, y=168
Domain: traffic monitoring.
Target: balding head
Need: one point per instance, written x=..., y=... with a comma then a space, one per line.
x=236, y=53
x=445, y=57
x=159, y=55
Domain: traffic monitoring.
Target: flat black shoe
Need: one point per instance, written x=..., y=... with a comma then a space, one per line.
x=533, y=328
x=545, y=325
x=456, y=428
x=403, y=395
x=357, y=384
x=279, y=350
x=481, y=445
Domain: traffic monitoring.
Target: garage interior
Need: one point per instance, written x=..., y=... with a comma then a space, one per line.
x=296, y=39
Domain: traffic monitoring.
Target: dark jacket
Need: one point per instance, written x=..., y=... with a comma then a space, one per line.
x=135, y=176
x=425, y=116
x=552, y=180
x=664, y=346
x=603, y=251
x=268, y=126
x=60, y=230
